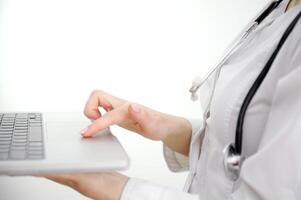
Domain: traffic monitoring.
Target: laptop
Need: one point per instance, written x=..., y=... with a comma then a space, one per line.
x=47, y=143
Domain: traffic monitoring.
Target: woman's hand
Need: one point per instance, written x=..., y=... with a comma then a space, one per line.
x=140, y=119
x=98, y=186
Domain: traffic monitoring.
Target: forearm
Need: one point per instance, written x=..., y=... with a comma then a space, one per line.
x=96, y=186
x=179, y=134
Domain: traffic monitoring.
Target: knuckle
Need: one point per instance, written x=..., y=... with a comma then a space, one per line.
x=86, y=112
x=96, y=92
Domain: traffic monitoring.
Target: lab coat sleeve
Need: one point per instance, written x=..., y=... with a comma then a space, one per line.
x=274, y=172
x=137, y=189
x=177, y=162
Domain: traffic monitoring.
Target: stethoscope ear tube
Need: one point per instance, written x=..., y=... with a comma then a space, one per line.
x=271, y=7
x=233, y=157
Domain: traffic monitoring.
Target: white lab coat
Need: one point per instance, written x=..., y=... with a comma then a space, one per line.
x=272, y=127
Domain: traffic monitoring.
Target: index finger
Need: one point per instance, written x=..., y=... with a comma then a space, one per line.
x=115, y=116
x=97, y=99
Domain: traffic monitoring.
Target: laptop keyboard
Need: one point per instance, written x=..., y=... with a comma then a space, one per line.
x=21, y=136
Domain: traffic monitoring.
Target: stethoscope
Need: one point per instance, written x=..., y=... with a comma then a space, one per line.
x=233, y=157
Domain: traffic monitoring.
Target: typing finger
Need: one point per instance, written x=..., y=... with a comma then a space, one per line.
x=115, y=116
x=95, y=101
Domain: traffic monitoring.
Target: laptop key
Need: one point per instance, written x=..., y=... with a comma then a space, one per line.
x=19, y=121
x=35, y=125
x=19, y=140
x=22, y=115
x=17, y=154
x=20, y=137
x=35, y=149
x=34, y=144
x=32, y=116
x=5, y=136
x=35, y=134
x=20, y=134
x=5, y=139
x=4, y=146
x=8, y=120
x=7, y=124
x=2, y=131
x=7, y=127
x=6, y=150
x=21, y=128
x=15, y=144
x=18, y=148
x=9, y=114
x=5, y=143
x=21, y=131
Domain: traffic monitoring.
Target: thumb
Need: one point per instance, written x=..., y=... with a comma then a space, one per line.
x=147, y=120
x=138, y=113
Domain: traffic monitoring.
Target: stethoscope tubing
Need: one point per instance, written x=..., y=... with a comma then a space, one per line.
x=256, y=85
x=268, y=11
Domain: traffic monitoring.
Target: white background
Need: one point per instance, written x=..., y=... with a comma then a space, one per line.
x=54, y=53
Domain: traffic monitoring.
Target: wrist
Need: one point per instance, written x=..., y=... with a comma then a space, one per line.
x=178, y=135
x=176, y=126
x=100, y=186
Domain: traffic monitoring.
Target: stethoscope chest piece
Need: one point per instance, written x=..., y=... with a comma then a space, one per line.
x=232, y=162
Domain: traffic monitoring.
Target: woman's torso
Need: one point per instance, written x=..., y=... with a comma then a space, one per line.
x=235, y=80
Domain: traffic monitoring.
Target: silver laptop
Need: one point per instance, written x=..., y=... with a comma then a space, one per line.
x=35, y=143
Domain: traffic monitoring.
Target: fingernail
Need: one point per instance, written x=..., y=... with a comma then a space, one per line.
x=136, y=108
x=83, y=131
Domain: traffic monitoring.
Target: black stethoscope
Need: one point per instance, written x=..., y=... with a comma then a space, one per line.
x=233, y=158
